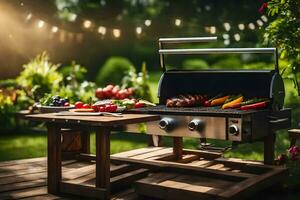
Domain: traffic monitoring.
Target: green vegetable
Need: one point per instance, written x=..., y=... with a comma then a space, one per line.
x=255, y=100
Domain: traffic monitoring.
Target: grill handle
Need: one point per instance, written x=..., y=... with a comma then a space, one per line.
x=163, y=41
x=163, y=51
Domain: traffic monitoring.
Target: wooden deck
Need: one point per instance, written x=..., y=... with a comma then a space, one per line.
x=26, y=179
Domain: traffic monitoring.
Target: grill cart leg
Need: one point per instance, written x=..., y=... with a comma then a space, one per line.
x=177, y=147
x=269, y=148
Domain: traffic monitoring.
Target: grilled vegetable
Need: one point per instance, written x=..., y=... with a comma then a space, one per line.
x=219, y=101
x=255, y=100
x=262, y=104
x=233, y=103
x=232, y=97
x=208, y=102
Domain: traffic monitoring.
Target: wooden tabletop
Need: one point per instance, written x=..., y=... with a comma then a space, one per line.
x=94, y=120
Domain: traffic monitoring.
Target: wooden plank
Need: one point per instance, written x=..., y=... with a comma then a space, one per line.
x=79, y=172
x=17, y=179
x=126, y=195
x=45, y=197
x=83, y=190
x=188, y=158
x=94, y=120
x=184, y=168
x=203, y=154
x=137, y=152
x=29, y=192
x=250, y=186
x=54, y=158
x=269, y=149
x=22, y=161
x=152, y=154
x=23, y=185
x=103, y=159
x=177, y=147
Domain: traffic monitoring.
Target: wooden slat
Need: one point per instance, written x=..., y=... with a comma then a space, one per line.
x=29, y=192
x=149, y=155
x=252, y=185
x=22, y=161
x=137, y=152
x=23, y=185
x=82, y=190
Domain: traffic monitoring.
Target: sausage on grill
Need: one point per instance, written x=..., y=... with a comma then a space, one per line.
x=186, y=100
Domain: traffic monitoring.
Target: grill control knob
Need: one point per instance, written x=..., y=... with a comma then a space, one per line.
x=167, y=124
x=233, y=130
x=196, y=125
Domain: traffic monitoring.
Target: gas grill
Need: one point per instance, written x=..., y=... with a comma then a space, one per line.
x=213, y=122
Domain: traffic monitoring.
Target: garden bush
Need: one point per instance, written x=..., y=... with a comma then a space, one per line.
x=230, y=62
x=195, y=64
x=113, y=70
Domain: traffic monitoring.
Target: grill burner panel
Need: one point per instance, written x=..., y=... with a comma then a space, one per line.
x=204, y=111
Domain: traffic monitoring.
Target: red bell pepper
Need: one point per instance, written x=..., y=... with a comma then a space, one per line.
x=262, y=104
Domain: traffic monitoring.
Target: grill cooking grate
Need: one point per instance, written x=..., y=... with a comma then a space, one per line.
x=162, y=109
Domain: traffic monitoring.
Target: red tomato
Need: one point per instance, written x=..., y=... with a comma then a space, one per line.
x=113, y=108
x=99, y=93
x=110, y=86
x=101, y=109
x=67, y=104
x=107, y=108
x=139, y=105
x=107, y=92
x=95, y=108
x=78, y=104
x=130, y=91
x=86, y=106
x=115, y=90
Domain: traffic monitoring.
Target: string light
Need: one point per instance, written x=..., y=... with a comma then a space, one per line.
x=227, y=42
x=225, y=36
x=227, y=26
x=237, y=37
x=54, y=29
x=28, y=17
x=241, y=27
x=138, y=30
x=116, y=33
x=102, y=30
x=72, y=17
x=213, y=30
x=87, y=24
x=177, y=22
x=40, y=24
x=148, y=22
x=264, y=18
x=259, y=22
x=251, y=26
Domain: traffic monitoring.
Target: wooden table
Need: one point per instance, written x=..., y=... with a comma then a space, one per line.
x=103, y=127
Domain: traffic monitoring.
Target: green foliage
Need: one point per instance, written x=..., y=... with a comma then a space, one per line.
x=230, y=62
x=284, y=33
x=73, y=73
x=258, y=65
x=195, y=64
x=7, y=110
x=113, y=70
x=140, y=83
x=39, y=77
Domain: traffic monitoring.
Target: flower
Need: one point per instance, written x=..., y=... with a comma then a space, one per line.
x=294, y=151
x=262, y=8
x=282, y=158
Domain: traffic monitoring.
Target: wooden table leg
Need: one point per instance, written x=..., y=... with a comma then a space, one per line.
x=177, y=147
x=269, y=149
x=85, y=140
x=103, y=159
x=54, y=158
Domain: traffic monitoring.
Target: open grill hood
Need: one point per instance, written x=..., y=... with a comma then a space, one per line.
x=263, y=83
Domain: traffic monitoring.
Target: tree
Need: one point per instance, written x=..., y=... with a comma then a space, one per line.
x=284, y=33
